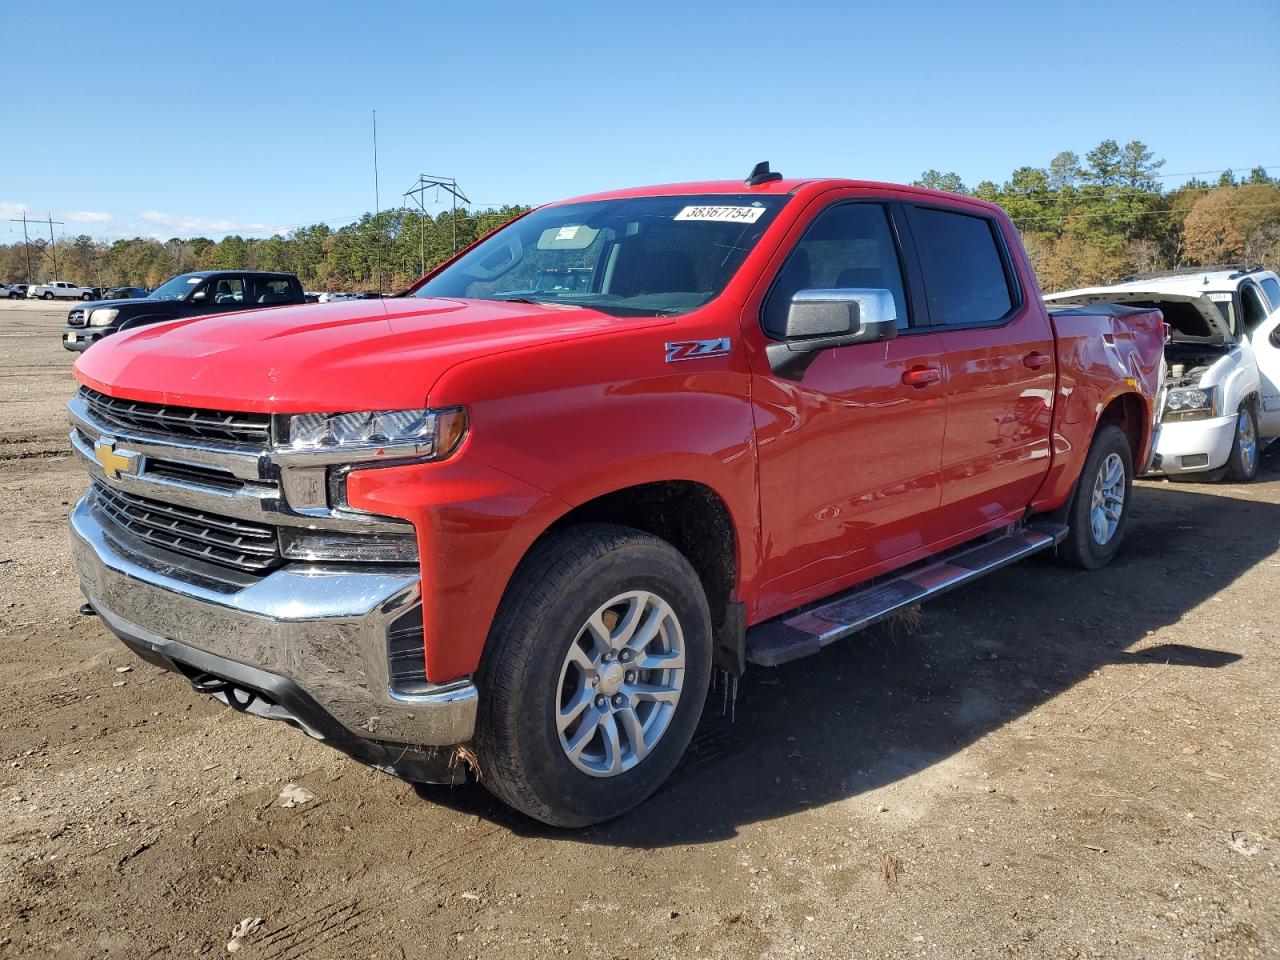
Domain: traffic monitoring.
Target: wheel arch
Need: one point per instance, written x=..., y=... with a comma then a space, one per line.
x=696, y=520
x=1128, y=412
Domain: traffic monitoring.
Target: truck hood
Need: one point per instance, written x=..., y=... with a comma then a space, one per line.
x=161, y=305
x=327, y=357
x=1193, y=316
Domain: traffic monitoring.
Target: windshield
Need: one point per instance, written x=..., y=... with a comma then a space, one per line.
x=177, y=288
x=636, y=256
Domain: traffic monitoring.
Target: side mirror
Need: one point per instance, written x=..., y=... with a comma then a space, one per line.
x=821, y=319
x=200, y=296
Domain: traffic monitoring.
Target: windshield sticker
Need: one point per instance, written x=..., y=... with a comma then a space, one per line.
x=721, y=214
x=567, y=233
x=1220, y=297
x=194, y=279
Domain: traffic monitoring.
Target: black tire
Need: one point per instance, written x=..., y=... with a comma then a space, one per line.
x=46, y=295
x=86, y=296
x=1082, y=548
x=565, y=579
x=1242, y=464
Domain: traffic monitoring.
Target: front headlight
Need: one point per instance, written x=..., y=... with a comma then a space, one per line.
x=425, y=434
x=1191, y=403
x=102, y=318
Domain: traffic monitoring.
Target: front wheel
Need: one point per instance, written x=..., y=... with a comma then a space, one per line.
x=1099, y=510
x=1242, y=464
x=594, y=675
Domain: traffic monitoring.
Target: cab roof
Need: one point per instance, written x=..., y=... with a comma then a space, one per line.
x=1190, y=282
x=771, y=188
x=234, y=273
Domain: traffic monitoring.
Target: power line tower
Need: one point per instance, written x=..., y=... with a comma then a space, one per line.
x=39, y=245
x=418, y=192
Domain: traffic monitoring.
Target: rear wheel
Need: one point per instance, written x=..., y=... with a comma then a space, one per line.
x=85, y=296
x=594, y=675
x=1099, y=510
x=47, y=295
x=1242, y=465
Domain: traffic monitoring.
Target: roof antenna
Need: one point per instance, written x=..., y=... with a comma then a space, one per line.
x=761, y=173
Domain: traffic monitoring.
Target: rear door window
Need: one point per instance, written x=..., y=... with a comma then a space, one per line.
x=966, y=274
x=269, y=290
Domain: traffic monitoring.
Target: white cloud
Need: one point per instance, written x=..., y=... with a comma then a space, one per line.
x=181, y=224
x=88, y=216
x=149, y=223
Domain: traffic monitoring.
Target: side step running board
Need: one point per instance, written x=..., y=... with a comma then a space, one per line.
x=801, y=634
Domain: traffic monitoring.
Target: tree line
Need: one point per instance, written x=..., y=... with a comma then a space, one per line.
x=383, y=251
x=1108, y=217
x=1084, y=222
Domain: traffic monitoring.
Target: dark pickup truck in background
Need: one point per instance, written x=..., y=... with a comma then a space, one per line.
x=206, y=292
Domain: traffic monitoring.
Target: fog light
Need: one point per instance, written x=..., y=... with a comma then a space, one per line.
x=349, y=547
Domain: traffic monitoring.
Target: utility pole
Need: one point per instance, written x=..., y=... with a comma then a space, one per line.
x=377, y=203
x=418, y=192
x=26, y=243
x=54, y=243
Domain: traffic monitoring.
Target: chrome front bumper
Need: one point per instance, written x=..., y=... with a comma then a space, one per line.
x=1194, y=446
x=319, y=629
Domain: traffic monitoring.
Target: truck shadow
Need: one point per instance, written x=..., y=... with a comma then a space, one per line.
x=881, y=707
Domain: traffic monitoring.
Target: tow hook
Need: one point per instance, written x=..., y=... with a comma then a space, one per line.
x=86, y=609
x=237, y=698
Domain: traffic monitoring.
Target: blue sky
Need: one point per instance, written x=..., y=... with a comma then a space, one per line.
x=175, y=119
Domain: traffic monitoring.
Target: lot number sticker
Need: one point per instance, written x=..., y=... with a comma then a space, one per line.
x=721, y=214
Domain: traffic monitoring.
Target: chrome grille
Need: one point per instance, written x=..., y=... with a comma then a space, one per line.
x=182, y=422
x=76, y=318
x=251, y=547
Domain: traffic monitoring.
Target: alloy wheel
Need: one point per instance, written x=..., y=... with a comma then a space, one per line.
x=1108, y=499
x=620, y=683
x=1247, y=440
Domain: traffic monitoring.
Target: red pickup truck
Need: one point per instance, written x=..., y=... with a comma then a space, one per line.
x=507, y=524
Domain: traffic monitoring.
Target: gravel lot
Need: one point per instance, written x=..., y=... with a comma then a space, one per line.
x=1050, y=764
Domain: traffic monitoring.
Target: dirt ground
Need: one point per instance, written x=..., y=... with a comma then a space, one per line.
x=1051, y=764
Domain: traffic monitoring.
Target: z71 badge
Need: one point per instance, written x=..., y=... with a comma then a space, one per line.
x=697, y=349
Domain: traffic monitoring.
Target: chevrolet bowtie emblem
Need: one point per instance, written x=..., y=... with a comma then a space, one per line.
x=115, y=462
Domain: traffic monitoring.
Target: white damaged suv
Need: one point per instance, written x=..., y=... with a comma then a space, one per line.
x=1222, y=396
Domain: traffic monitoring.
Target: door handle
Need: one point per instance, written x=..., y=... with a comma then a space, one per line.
x=919, y=377
x=1037, y=360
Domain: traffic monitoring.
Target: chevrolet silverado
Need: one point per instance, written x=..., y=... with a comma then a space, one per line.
x=506, y=525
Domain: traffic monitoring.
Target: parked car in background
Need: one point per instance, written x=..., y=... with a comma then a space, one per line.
x=1222, y=400
x=335, y=297
x=13, y=291
x=126, y=293
x=186, y=295
x=60, y=290
x=516, y=526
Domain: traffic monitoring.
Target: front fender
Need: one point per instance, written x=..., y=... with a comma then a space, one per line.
x=1239, y=379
